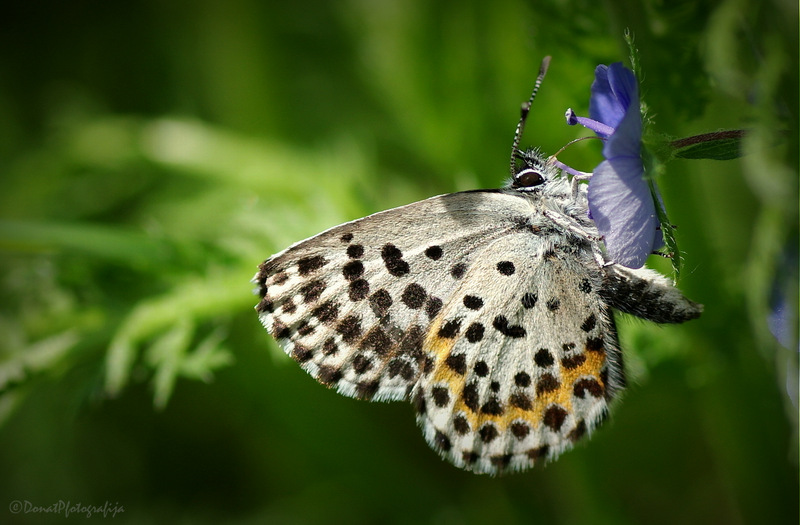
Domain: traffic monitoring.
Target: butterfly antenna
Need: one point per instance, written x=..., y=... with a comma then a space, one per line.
x=526, y=107
x=571, y=142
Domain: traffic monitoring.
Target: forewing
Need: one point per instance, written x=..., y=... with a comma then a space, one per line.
x=353, y=304
x=525, y=356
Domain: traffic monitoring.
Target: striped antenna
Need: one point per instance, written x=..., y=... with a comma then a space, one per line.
x=526, y=107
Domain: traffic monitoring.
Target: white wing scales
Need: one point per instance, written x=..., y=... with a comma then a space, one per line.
x=525, y=374
x=352, y=305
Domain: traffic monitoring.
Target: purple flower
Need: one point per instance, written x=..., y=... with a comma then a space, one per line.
x=782, y=311
x=620, y=201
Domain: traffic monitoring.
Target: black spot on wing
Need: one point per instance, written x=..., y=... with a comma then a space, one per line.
x=393, y=260
x=502, y=325
x=458, y=270
x=358, y=290
x=450, y=329
x=306, y=265
x=475, y=332
x=434, y=252
x=311, y=291
x=355, y=251
x=353, y=270
x=414, y=296
x=506, y=267
x=473, y=302
x=380, y=302
x=529, y=300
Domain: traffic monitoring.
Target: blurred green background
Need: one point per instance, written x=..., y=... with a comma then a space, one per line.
x=153, y=153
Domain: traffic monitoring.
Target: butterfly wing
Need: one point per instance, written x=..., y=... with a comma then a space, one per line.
x=354, y=304
x=646, y=294
x=525, y=356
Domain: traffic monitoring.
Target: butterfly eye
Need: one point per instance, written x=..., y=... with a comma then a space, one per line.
x=529, y=177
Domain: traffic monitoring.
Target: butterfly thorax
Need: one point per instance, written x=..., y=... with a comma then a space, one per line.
x=558, y=205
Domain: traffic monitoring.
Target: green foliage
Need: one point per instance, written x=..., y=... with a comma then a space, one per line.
x=152, y=156
x=718, y=146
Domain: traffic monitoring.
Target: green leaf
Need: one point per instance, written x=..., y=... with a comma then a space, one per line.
x=198, y=298
x=126, y=246
x=165, y=356
x=36, y=357
x=209, y=356
x=720, y=145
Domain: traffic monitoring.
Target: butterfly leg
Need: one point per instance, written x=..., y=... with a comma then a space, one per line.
x=571, y=226
x=576, y=180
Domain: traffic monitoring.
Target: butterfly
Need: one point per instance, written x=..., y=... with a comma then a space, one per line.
x=490, y=310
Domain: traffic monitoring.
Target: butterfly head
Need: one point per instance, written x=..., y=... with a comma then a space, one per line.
x=533, y=173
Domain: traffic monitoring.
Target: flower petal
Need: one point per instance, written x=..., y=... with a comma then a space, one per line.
x=613, y=91
x=603, y=105
x=623, y=84
x=626, y=141
x=623, y=210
